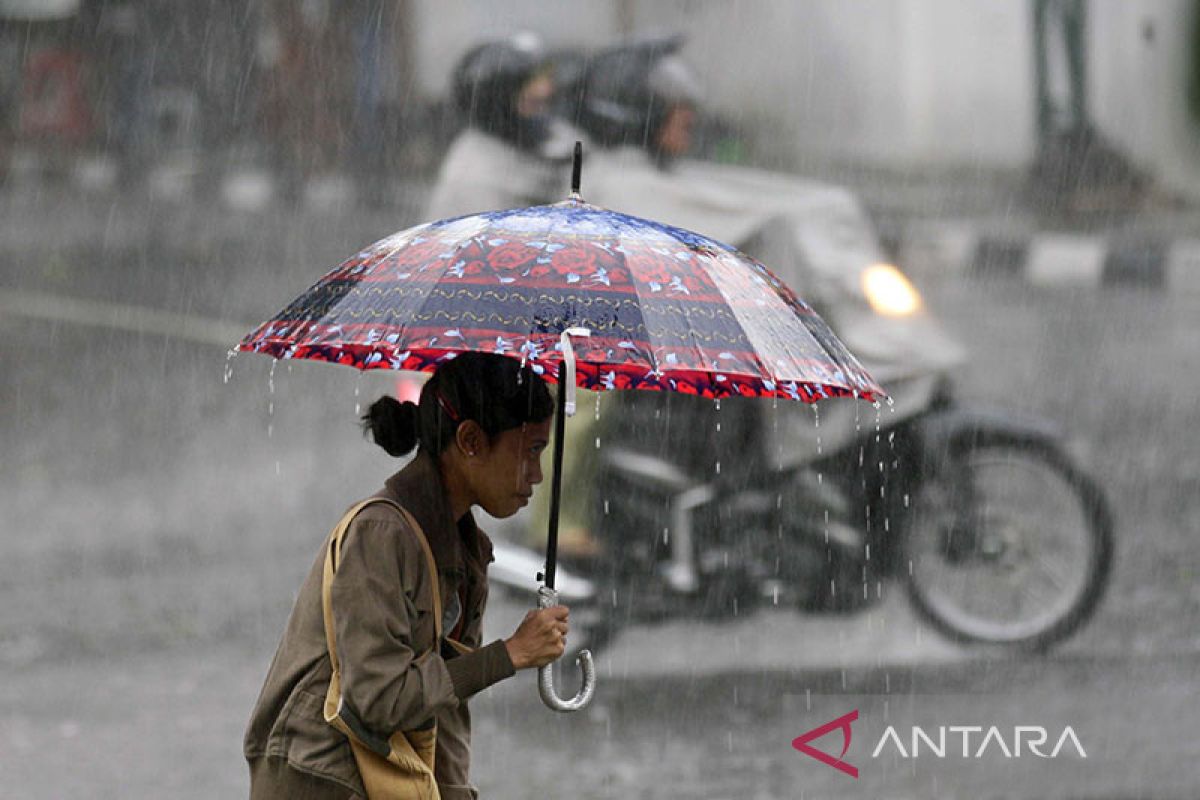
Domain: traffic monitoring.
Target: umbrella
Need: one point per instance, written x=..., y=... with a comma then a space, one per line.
x=652, y=306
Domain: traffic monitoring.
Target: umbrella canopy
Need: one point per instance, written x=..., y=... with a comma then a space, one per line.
x=668, y=309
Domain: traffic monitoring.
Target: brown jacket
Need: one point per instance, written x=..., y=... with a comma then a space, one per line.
x=383, y=620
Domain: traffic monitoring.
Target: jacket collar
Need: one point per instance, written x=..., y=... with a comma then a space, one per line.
x=418, y=487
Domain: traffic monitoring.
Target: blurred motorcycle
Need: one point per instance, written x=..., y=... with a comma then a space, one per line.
x=711, y=510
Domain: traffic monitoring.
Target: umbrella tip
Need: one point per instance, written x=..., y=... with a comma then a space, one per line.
x=577, y=170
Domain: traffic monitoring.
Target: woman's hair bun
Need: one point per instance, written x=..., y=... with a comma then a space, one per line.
x=392, y=424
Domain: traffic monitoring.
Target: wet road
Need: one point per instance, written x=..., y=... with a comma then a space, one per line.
x=158, y=520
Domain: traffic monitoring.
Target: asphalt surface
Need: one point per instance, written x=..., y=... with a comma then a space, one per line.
x=158, y=519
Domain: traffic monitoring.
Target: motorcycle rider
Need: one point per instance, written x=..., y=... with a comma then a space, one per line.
x=674, y=509
x=640, y=101
x=513, y=152
x=642, y=95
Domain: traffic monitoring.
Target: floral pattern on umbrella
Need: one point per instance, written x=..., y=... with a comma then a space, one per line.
x=668, y=309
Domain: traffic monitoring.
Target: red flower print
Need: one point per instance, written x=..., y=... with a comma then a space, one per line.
x=622, y=381
x=415, y=255
x=511, y=255
x=654, y=268
x=579, y=259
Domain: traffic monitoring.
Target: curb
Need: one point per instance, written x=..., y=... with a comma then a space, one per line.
x=1041, y=259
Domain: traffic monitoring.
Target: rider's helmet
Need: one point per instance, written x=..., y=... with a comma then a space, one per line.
x=630, y=90
x=487, y=85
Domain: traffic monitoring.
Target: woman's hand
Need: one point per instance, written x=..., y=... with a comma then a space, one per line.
x=540, y=638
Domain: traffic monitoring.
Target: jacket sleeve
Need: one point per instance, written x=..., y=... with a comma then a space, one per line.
x=388, y=685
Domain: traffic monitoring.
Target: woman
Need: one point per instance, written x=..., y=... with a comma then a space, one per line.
x=479, y=432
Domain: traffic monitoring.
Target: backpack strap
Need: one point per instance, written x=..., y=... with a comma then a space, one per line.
x=333, y=555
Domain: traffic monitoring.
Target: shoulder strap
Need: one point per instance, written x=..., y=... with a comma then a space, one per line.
x=333, y=553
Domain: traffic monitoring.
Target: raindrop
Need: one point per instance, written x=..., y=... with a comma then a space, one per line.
x=271, y=401
x=597, y=442
x=718, y=467
x=666, y=535
x=606, y=508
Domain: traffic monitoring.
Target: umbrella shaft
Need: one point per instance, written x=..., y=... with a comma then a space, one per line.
x=560, y=424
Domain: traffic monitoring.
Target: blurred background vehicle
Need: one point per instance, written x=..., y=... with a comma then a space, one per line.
x=997, y=532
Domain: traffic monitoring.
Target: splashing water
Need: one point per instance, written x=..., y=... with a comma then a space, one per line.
x=717, y=408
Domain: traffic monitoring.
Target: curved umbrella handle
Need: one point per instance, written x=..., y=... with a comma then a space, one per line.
x=547, y=597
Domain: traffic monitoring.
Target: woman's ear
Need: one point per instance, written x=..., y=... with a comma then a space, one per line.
x=471, y=439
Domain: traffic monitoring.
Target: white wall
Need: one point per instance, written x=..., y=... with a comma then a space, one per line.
x=1138, y=65
x=904, y=81
x=900, y=83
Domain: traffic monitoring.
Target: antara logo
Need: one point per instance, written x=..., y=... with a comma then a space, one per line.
x=1033, y=736
x=801, y=743
x=1024, y=739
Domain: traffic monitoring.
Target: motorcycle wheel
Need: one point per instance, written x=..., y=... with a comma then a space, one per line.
x=1010, y=543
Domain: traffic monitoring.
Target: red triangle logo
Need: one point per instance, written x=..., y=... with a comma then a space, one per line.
x=801, y=743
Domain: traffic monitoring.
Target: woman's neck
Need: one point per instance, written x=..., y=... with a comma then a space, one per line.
x=458, y=489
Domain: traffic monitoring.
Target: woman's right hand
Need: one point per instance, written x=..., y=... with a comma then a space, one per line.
x=540, y=638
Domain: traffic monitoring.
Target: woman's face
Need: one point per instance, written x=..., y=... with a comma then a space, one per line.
x=509, y=467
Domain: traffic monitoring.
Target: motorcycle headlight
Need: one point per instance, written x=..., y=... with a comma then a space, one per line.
x=889, y=292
